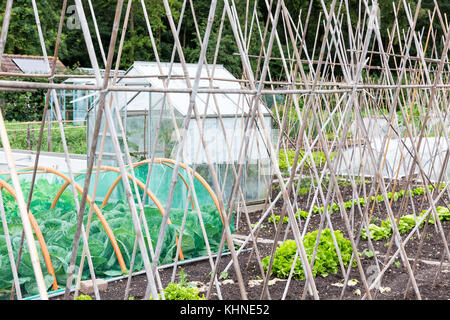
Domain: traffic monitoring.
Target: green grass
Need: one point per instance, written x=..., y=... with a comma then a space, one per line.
x=20, y=139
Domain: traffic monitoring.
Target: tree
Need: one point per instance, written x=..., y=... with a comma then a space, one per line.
x=23, y=35
x=24, y=39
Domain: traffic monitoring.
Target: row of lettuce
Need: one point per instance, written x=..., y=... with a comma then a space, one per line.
x=326, y=260
x=384, y=230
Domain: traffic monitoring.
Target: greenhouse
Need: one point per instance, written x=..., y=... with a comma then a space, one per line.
x=223, y=124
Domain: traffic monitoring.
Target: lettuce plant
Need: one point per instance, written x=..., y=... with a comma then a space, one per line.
x=378, y=232
x=405, y=224
x=178, y=291
x=182, y=290
x=325, y=262
x=300, y=213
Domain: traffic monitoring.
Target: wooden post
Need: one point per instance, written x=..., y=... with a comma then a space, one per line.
x=23, y=212
x=28, y=137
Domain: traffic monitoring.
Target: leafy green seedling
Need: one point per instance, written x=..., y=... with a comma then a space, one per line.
x=368, y=253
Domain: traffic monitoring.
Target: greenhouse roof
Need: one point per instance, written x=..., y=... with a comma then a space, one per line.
x=228, y=104
x=89, y=80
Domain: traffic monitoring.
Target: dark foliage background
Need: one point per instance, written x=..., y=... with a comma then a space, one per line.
x=23, y=37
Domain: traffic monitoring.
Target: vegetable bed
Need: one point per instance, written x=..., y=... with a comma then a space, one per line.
x=433, y=279
x=58, y=229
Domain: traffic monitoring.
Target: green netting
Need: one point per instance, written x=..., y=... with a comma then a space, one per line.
x=58, y=225
x=161, y=176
